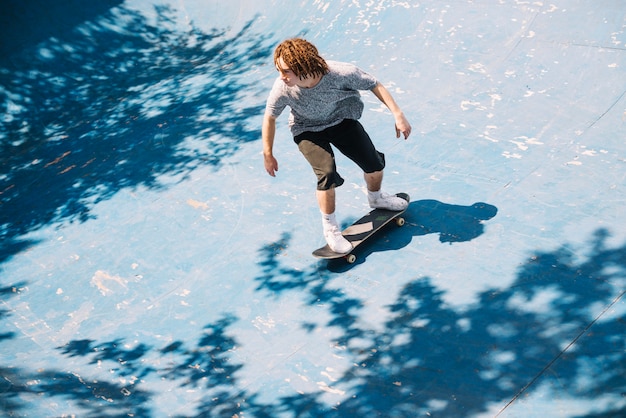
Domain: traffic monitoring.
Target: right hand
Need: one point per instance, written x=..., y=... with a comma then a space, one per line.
x=402, y=126
x=271, y=165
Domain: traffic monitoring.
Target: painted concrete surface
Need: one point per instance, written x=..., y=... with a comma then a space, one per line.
x=150, y=267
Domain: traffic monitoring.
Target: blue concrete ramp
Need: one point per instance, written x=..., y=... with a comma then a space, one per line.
x=149, y=266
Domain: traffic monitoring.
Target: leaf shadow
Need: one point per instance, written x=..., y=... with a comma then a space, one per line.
x=117, y=103
x=426, y=358
x=433, y=359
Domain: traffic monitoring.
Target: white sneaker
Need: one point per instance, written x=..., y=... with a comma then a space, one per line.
x=336, y=241
x=388, y=201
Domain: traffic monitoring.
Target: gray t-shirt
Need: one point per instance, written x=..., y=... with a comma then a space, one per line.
x=335, y=98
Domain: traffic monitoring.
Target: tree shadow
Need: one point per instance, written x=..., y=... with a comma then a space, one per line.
x=427, y=358
x=433, y=360
x=5, y=293
x=117, y=103
x=509, y=338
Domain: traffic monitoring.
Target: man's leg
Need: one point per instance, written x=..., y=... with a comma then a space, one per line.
x=322, y=160
x=352, y=140
x=374, y=181
x=332, y=231
x=378, y=199
x=326, y=201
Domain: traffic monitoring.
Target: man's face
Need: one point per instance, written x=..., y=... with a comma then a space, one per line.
x=286, y=74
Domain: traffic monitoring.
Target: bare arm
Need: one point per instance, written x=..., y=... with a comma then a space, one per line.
x=402, y=124
x=268, y=131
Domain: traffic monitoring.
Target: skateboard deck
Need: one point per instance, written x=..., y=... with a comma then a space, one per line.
x=362, y=229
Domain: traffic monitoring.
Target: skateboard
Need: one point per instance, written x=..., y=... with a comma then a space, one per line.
x=362, y=229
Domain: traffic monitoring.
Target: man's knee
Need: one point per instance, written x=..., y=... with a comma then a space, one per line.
x=328, y=179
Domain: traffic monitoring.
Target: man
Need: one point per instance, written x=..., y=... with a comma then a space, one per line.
x=325, y=107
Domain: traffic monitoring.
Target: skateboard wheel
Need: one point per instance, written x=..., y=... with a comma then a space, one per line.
x=400, y=221
x=351, y=258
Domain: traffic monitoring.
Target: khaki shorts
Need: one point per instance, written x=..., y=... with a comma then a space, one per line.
x=350, y=139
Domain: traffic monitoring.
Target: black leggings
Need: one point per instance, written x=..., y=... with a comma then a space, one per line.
x=350, y=139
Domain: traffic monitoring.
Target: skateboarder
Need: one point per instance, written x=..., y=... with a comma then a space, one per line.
x=325, y=107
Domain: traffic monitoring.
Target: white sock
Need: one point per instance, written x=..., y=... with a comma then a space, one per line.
x=373, y=196
x=329, y=220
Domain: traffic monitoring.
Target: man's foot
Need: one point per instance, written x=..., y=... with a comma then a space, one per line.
x=381, y=200
x=336, y=241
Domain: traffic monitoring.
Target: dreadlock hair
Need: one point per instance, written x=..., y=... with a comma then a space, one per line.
x=301, y=57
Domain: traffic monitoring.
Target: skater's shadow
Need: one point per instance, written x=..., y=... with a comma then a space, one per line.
x=453, y=223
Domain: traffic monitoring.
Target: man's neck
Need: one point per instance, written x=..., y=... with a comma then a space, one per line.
x=311, y=82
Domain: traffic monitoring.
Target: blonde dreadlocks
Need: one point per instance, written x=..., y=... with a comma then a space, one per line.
x=301, y=57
